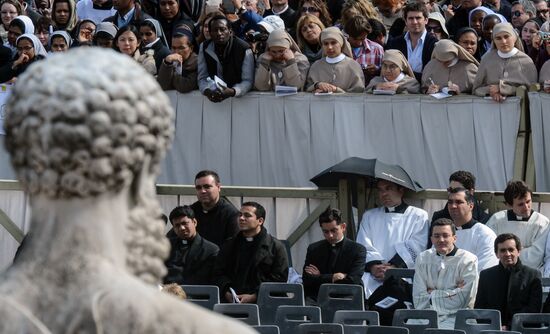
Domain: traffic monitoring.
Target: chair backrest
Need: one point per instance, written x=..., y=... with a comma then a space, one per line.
x=273, y=295
x=493, y=331
x=333, y=297
x=387, y=330
x=247, y=313
x=204, y=295
x=476, y=320
x=368, y=318
x=267, y=329
x=421, y=319
x=531, y=323
x=355, y=329
x=443, y=331
x=288, y=318
x=321, y=329
x=399, y=273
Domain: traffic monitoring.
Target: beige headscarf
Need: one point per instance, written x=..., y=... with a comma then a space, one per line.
x=506, y=27
x=446, y=50
x=282, y=38
x=336, y=34
x=396, y=57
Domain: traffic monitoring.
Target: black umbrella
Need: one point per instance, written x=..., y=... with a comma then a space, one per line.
x=355, y=167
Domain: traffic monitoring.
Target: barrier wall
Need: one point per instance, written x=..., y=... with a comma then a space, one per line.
x=539, y=107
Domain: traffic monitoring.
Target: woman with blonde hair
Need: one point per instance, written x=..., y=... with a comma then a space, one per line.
x=336, y=72
x=452, y=69
x=396, y=75
x=353, y=8
x=504, y=67
x=308, y=32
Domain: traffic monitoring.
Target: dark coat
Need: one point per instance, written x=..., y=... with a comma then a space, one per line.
x=199, y=265
x=351, y=261
x=522, y=294
x=400, y=44
x=219, y=223
x=477, y=213
x=7, y=72
x=161, y=52
x=269, y=264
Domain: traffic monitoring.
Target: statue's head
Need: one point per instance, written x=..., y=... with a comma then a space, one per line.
x=92, y=122
x=85, y=123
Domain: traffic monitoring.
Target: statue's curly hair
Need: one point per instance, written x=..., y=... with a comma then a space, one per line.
x=88, y=122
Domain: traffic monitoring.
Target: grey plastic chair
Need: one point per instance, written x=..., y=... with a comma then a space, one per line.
x=333, y=297
x=273, y=295
x=247, y=313
x=531, y=323
x=443, y=331
x=204, y=295
x=500, y=332
x=368, y=318
x=355, y=329
x=387, y=330
x=429, y=317
x=321, y=329
x=466, y=320
x=267, y=329
x=288, y=318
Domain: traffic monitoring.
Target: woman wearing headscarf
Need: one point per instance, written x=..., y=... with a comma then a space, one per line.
x=84, y=33
x=170, y=16
x=396, y=75
x=18, y=26
x=179, y=70
x=60, y=41
x=308, y=33
x=281, y=63
x=152, y=38
x=476, y=16
x=64, y=15
x=505, y=66
x=29, y=50
x=336, y=72
x=451, y=67
x=468, y=39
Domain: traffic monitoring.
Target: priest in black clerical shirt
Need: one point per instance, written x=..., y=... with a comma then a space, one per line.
x=336, y=259
x=192, y=257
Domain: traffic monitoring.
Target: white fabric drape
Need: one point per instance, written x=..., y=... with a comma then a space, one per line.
x=539, y=105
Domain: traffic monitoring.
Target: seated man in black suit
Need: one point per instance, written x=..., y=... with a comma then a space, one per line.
x=416, y=44
x=336, y=259
x=192, y=257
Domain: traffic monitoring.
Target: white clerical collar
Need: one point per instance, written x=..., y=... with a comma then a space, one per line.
x=279, y=13
x=151, y=44
x=391, y=208
x=185, y=242
x=507, y=54
x=453, y=62
x=249, y=239
x=335, y=60
x=337, y=242
x=400, y=77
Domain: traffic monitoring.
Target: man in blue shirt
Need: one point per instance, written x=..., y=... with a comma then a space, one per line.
x=416, y=44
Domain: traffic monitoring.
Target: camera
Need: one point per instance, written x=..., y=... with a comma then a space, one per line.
x=256, y=36
x=545, y=36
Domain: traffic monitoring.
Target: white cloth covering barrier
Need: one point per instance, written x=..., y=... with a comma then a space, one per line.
x=539, y=106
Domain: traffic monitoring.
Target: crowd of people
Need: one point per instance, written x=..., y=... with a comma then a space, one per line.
x=481, y=47
x=463, y=258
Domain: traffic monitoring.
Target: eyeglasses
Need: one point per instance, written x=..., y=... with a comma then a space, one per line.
x=391, y=67
x=24, y=48
x=309, y=10
x=517, y=13
x=434, y=29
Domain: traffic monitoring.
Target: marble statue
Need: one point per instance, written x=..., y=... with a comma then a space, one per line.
x=86, y=131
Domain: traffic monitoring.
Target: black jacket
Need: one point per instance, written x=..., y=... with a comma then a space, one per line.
x=477, y=213
x=269, y=263
x=137, y=19
x=351, y=261
x=400, y=44
x=219, y=223
x=518, y=290
x=161, y=52
x=199, y=262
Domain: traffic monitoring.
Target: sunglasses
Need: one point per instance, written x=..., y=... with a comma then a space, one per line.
x=542, y=11
x=309, y=10
x=434, y=29
x=517, y=13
